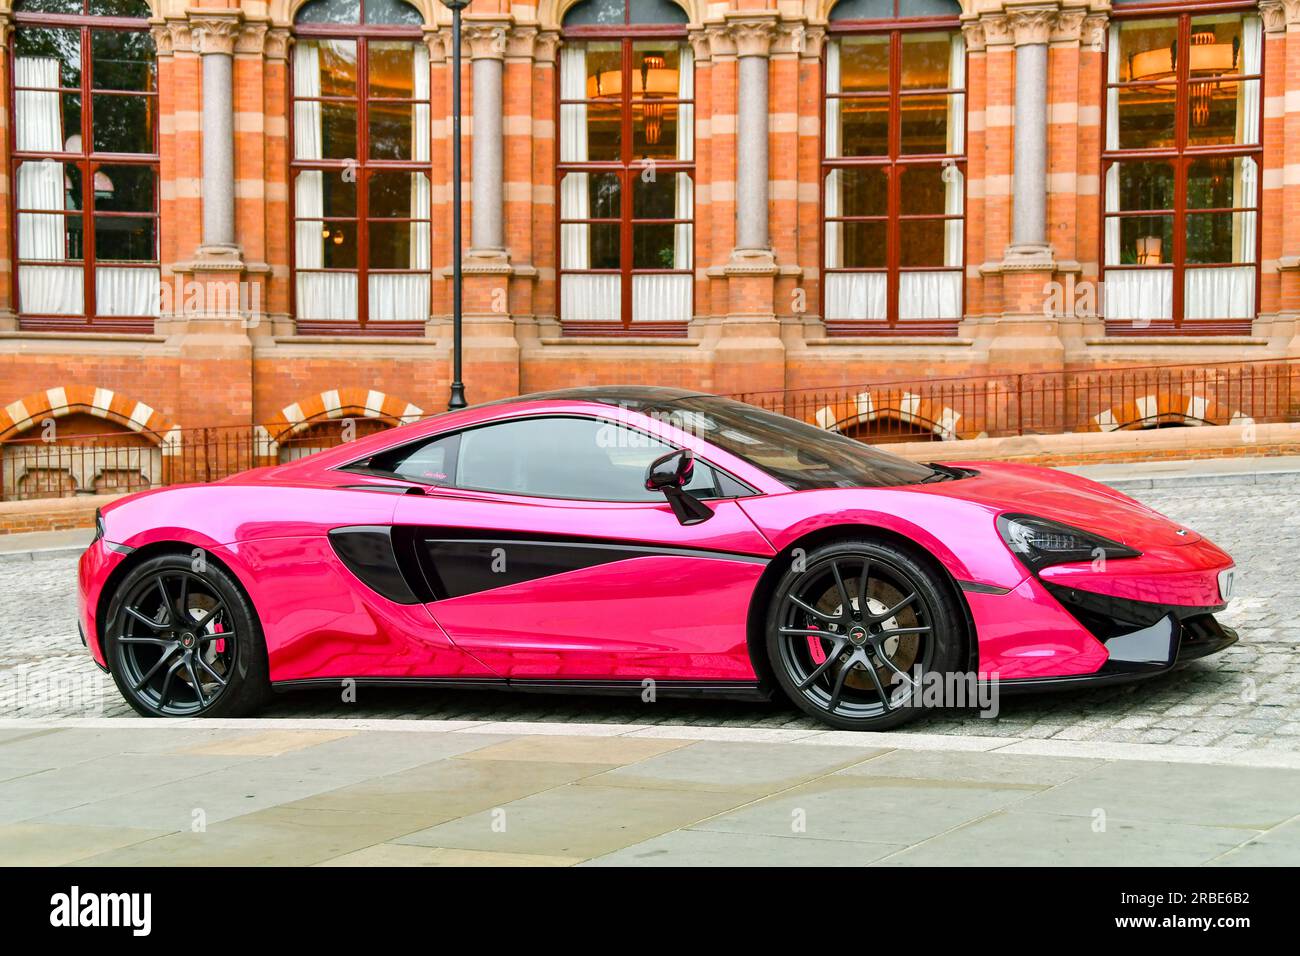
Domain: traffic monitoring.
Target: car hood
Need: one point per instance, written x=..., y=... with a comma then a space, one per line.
x=1065, y=497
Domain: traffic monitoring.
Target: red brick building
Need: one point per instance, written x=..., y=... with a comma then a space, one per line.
x=239, y=214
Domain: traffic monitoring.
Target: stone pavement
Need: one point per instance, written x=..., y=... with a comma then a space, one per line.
x=1247, y=698
x=136, y=792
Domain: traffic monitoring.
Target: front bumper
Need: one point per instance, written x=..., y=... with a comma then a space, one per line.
x=1141, y=639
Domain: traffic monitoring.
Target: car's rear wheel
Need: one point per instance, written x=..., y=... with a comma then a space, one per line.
x=853, y=630
x=183, y=641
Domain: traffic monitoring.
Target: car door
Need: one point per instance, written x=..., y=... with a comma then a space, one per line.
x=548, y=559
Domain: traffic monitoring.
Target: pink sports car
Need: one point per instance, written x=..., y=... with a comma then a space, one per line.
x=618, y=539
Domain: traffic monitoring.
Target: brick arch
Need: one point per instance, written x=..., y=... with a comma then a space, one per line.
x=30, y=410
x=821, y=9
x=1167, y=407
x=895, y=404
x=336, y=403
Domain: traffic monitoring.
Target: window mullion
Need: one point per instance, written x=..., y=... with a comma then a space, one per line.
x=89, y=304
x=362, y=182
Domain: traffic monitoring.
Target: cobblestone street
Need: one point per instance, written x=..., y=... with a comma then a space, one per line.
x=1247, y=697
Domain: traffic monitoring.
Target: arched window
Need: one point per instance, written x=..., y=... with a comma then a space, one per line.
x=627, y=167
x=361, y=172
x=893, y=167
x=1181, y=169
x=85, y=163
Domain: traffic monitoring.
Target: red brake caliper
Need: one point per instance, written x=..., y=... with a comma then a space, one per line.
x=815, y=649
x=220, y=643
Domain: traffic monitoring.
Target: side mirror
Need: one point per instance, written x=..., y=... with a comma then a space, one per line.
x=671, y=473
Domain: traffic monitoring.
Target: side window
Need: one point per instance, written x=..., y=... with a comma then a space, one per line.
x=559, y=458
x=430, y=463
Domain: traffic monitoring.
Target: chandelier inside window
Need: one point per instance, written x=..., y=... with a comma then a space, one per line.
x=1210, y=61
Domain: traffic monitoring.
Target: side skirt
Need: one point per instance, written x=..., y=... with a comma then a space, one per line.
x=733, y=690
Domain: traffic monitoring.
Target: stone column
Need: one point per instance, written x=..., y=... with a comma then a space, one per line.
x=213, y=33
x=753, y=35
x=1031, y=27
x=487, y=49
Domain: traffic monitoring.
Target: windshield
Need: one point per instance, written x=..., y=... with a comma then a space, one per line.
x=800, y=456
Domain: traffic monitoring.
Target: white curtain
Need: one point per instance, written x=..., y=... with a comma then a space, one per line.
x=929, y=295
x=1219, y=293
x=1112, y=94
x=834, y=184
x=43, y=290
x=405, y=298
x=1248, y=92
x=583, y=298
x=1139, y=295
x=667, y=298
x=856, y=295
x=328, y=296
x=125, y=291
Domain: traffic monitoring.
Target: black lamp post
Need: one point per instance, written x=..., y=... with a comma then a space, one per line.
x=457, y=399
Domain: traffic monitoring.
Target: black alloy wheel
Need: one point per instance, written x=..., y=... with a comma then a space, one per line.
x=853, y=629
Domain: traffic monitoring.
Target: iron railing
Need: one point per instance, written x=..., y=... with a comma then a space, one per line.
x=915, y=409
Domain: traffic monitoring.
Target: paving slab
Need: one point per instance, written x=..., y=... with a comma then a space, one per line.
x=744, y=767
x=397, y=854
x=1021, y=838
x=575, y=820
x=709, y=848
x=49, y=844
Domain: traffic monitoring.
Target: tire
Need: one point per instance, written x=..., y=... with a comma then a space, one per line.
x=209, y=661
x=845, y=669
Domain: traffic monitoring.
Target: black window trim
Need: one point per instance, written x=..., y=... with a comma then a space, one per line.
x=357, y=467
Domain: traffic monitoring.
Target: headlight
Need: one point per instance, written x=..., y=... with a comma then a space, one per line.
x=99, y=525
x=1039, y=542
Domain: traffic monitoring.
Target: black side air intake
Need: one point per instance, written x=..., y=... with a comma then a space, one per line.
x=370, y=554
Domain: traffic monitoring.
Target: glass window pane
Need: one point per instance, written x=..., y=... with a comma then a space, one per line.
x=125, y=188
x=925, y=60
x=48, y=122
x=1221, y=113
x=665, y=196
x=391, y=245
x=863, y=245
x=398, y=195
x=1216, y=45
x=857, y=191
x=603, y=130
x=864, y=126
x=600, y=460
x=1145, y=185
x=45, y=57
x=929, y=191
x=596, y=13
x=125, y=239
x=921, y=242
x=338, y=131
x=392, y=12
x=654, y=129
x=593, y=246
x=656, y=68
x=1145, y=240
x=122, y=60
x=337, y=73
x=1146, y=116
x=70, y=7
x=339, y=243
x=653, y=246
x=924, y=122
x=1221, y=182
x=123, y=123
x=1145, y=49
x=392, y=130
x=330, y=11
x=1221, y=237
x=324, y=193
x=113, y=8
x=590, y=196
x=391, y=71
x=604, y=70
x=864, y=64
x=49, y=238
x=655, y=11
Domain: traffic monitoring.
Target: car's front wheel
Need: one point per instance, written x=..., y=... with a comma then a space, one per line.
x=853, y=630
x=182, y=640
